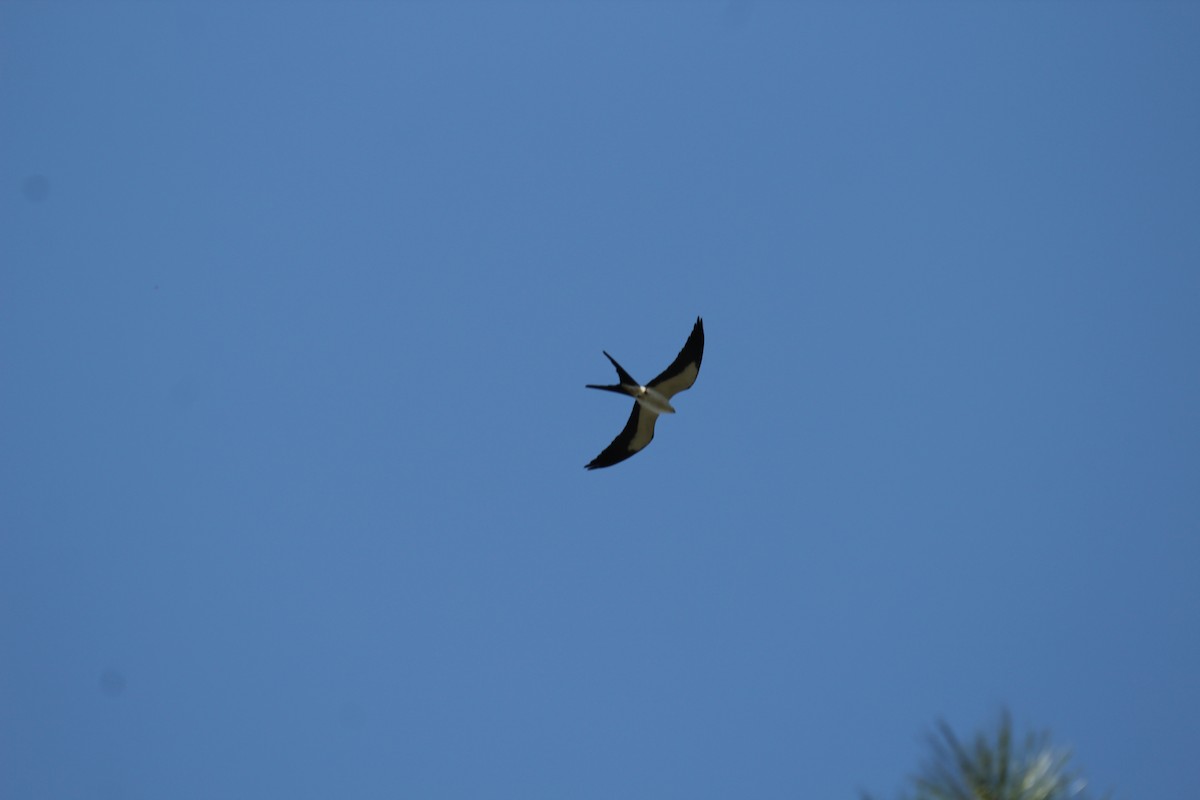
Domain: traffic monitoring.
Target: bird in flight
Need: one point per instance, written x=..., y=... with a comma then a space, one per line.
x=650, y=400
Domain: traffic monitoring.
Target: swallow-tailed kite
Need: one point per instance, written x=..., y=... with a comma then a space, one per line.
x=650, y=400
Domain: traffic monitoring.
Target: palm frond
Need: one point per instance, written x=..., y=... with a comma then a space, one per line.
x=991, y=768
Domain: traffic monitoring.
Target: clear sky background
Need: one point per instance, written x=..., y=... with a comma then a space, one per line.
x=298, y=302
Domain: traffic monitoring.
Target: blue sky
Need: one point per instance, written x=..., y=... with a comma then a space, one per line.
x=298, y=302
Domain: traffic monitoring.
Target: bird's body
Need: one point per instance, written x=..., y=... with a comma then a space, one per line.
x=653, y=400
x=650, y=400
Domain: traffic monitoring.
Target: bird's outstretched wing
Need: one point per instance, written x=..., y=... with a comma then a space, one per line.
x=638, y=432
x=686, y=366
